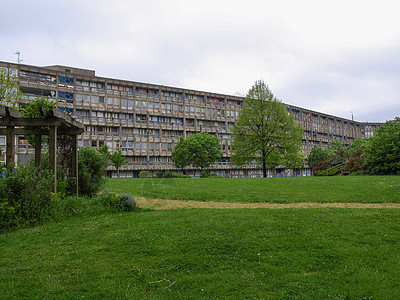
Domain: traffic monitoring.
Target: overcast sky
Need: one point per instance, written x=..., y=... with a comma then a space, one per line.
x=335, y=57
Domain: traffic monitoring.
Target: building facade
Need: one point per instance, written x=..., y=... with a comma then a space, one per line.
x=145, y=120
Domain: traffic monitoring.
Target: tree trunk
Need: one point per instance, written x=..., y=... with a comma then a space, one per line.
x=264, y=167
x=264, y=164
x=118, y=172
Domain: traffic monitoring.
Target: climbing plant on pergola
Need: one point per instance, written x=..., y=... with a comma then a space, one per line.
x=52, y=123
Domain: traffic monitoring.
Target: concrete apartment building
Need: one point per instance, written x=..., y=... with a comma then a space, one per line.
x=146, y=120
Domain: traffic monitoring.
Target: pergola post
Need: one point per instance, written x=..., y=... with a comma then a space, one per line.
x=52, y=123
x=38, y=149
x=53, y=153
x=10, y=146
x=74, y=167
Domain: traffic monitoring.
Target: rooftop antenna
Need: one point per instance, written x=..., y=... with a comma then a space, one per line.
x=352, y=117
x=18, y=57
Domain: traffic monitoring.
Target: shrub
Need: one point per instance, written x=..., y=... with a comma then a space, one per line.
x=335, y=171
x=168, y=174
x=25, y=196
x=179, y=175
x=320, y=173
x=128, y=202
x=111, y=200
x=92, y=166
x=355, y=163
x=160, y=174
x=144, y=174
x=117, y=203
x=205, y=173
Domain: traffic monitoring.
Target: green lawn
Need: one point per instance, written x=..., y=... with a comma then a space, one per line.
x=205, y=253
x=359, y=189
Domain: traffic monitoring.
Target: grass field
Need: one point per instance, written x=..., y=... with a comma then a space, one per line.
x=292, y=253
x=207, y=254
x=349, y=189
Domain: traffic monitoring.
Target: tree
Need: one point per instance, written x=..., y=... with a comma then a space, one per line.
x=200, y=150
x=383, y=151
x=180, y=155
x=104, y=151
x=204, y=149
x=9, y=89
x=317, y=157
x=264, y=131
x=117, y=160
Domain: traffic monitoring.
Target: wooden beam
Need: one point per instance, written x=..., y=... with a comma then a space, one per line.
x=74, y=167
x=53, y=153
x=29, y=122
x=55, y=112
x=9, y=112
x=39, y=131
x=10, y=146
x=38, y=149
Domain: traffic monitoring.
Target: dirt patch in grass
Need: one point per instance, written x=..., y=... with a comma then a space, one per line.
x=176, y=204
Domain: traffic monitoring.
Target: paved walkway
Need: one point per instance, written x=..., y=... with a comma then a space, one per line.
x=175, y=204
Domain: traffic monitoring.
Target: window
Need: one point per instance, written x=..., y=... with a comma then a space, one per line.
x=130, y=104
x=124, y=103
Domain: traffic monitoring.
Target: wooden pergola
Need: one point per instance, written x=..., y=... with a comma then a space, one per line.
x=52, y=123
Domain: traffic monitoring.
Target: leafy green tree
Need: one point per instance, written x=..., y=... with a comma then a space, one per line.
x=200, y=150
x=9, y=89
x=383, y=151
x=264, y=131
x=117, y=160
x=104, y=151
x=317, y=156
x=180, y=155
x=203, y=149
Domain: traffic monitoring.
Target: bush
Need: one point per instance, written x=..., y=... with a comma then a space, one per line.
x=123, y=202
x=320, y=173
x=25, y=196
x=159, y=174
x=128, y=202
x=205, y=173
x=144, y=174
x=333, y=171
x=92, y=166
x=110, y=200
x=179, y=175
x=168, y=174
